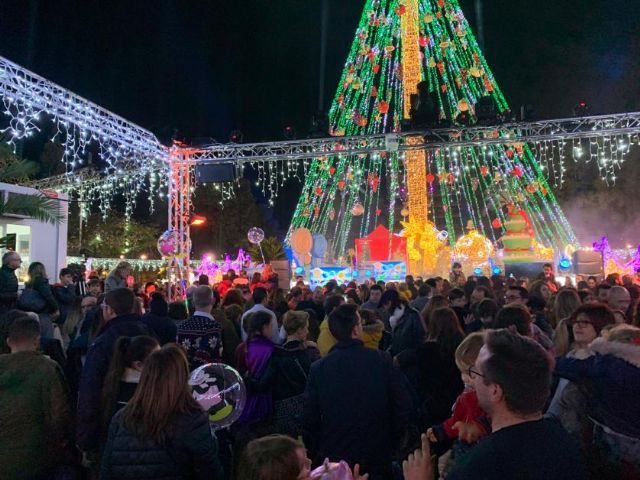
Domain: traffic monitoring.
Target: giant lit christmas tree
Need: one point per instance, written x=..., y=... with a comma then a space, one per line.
x=398, y=44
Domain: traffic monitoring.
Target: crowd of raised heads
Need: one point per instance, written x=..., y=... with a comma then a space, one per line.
x=421, y=379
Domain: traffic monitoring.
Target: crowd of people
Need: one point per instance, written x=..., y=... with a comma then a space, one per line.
x=457, y=378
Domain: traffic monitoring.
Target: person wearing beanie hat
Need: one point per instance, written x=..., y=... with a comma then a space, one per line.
x=158, y=319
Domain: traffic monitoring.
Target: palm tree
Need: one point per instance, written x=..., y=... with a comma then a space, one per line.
x=271, y=248
x=38, y=206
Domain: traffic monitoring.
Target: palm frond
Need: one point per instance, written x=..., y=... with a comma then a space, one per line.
x=18, y=170
x=35, y=206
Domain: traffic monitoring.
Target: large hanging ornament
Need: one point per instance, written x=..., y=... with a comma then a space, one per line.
x=220, y=391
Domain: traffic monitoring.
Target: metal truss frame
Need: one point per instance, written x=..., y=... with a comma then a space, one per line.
x=508, y=133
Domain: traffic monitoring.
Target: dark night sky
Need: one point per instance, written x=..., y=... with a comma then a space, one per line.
x=208, y=67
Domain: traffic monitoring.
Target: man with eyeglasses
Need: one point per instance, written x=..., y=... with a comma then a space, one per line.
x=11, y=261
x=511, y=377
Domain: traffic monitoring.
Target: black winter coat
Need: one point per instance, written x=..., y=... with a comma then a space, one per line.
x=8, y=288
x=190, y=452
x=165, y=329
x=41, y=285
x=65, y=296
x=93, y=374
x=409, y=332
x=288, y=369
x=355, y=406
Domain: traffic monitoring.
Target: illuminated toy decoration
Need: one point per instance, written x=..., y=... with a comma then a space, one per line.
x=473, y=250
x=424, y=242
x=332, y=471
x=221, y=393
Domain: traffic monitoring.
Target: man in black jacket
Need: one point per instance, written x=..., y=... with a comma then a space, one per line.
x=355, y=407
x=117, y=311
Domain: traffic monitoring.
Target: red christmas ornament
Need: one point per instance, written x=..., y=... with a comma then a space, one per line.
x=543, y=191
x=484, y=171
x=318, y=191
x=451, y=178
x=509, y=153
x=430, y=178
x=374, y=91
x=316, y=211
x=443, y=88
x=341, y=185
x=517, y=172
x=531, y=188
x=424, y=41
x=401, y=10
x=376, y=68
x=496, y=223
x=383, y=107
x=332, y=170
x=378, y=212
x=441, y=3
x=445, y=207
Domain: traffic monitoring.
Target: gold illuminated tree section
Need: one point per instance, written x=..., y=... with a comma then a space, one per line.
x=415, y=160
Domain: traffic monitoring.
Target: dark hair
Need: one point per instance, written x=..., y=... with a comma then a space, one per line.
x=469, y=287
x=331, y=303
x=424, y=290
x=23, y=328
x=485, y=282
x=582, y=284
x=431, y=282
x=603, y=286
x=127, y=350
x=445, y=329
x=524, y=293
x=258, y=295
x=178, y=311
x=376, y=287
x=233, y=297
x=599, y=314
x=522, y=369
x=162, y=394
x=484, y=289
x=342, y=320
x=257, y=321
x=456, y=265
x=121, y=300
x=487, y=307
x=203, y=280
x=65, y=271
x=392, y=296
x=369, y=317
x=547, y=265
x=455, y=294
x=158, y=305
x=514, y=315
x=272, y=457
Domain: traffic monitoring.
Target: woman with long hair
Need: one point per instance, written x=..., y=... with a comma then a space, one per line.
x=259, y=348
x=565, y=304
x=38, y=284
x=118, y=277
x=435, y=302
x=233, y=297
x=163, y=424
x=438, y=382
x=124, y=374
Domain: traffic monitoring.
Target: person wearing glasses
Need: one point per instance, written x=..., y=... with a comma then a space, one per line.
x=511, y=378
